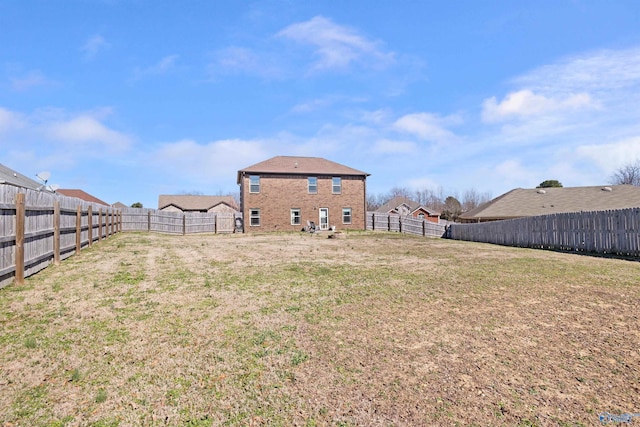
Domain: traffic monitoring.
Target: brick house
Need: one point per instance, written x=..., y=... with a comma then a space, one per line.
x=285, y=193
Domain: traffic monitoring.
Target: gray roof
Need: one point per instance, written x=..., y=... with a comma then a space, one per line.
x=397, y=201
x=9, y=176
x=523, y=202
x=194, y=203
x=292, y=165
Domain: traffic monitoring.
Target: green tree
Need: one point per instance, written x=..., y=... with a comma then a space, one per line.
x=550, y=183
x=136, y=205
x=452, y=209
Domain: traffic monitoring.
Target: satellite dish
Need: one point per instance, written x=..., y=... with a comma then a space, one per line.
x=44, y=176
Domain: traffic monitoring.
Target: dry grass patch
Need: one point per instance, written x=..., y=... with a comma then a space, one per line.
x=297, y=329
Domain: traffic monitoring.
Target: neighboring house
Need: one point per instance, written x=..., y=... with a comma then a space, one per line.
x=287, y=193
x=11, y=177
x=406, y=207
x=191, y=203
x=119, y=205
x=80, y=194
x=542, y=201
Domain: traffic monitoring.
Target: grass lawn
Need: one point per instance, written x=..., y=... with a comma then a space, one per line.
x=376, y=329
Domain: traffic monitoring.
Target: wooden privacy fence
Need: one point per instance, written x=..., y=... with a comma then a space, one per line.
x=404, y=224
x=39, y=228
x=603, y=232
x=134, y=219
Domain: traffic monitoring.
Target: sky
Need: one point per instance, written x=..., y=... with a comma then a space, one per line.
x=131, y=99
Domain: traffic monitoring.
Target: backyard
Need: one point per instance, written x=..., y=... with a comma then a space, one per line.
x=374, y=329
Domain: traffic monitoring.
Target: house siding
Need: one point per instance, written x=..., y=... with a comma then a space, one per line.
x=279, y=193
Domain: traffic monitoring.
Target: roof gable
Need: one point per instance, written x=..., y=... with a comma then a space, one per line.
x=300, y=166
x=411, y=205
x=80, y=194
x=542, y=201
x=187, y=202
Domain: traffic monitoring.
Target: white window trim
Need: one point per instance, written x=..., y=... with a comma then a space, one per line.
x=333, y=186
x=251, y=185
x=309, y=185
x=251, y=217
x=299, y=216
x=350, y=215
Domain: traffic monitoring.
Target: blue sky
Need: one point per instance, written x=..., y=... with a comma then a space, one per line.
x=128, y=100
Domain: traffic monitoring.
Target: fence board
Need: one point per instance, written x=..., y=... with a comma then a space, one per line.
x=603, y=232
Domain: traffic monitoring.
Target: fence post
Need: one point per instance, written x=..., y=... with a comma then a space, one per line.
x=388, y=222
x=56, y=233
x=424, y=228
x=99, y=224
x=215, y=223
x=19, y=251
x=184, y=224
x=78, y=228
x=149, y=221
x=90, y=222
x=400, y=224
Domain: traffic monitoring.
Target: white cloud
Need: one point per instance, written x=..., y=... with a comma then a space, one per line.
x=32, y=79
x=93, y=46
x=336, y=46
x=10, y=120
x=84, y=130
x=525, y=103
x=163, y=66
x=388, y=146
x=235, y=59
x=203, y=162
x=429, y=127
x=611, y=156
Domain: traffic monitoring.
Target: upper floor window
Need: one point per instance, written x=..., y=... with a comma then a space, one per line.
x=312, y=184
x=421, y=215
x=254, y=183
x=336, y=183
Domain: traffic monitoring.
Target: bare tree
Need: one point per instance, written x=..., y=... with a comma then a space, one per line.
x=627, y=174
x=472, y=199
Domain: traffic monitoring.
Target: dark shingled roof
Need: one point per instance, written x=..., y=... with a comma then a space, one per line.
x=400, y=200
x=300, y=166
x=523, y=202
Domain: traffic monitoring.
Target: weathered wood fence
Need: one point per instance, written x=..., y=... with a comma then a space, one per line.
x=602, y=232
x=134, y=219
x=404, y=224
x=39, y=228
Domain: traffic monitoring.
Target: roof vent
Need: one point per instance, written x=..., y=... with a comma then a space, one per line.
x=541, y=191
x=607, y=189
x=295, y=165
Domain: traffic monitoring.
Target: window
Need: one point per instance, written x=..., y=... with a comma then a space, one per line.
x=254, y=183
x=421, y=215
x=312, y=182
x=336, y=185
x=346, y=215
x=295, y=217
x=254, y=217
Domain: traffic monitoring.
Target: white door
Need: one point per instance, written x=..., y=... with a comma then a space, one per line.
x=324, y=218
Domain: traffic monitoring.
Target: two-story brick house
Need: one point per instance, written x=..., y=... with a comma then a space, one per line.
x=285, y=193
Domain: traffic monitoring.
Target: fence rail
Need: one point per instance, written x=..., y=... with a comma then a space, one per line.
x=603, y=232
x=39, y=228
x=404, y=224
